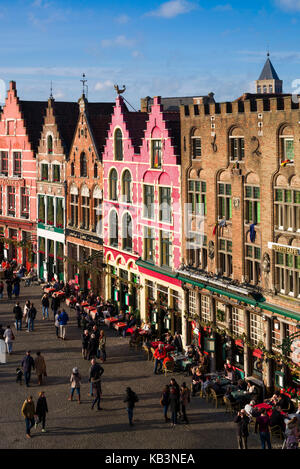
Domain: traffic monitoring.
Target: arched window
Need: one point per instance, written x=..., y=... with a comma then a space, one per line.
x=126, y=186
x=83, y=165
x=118, y=145
x=72, y=169
x=196, y=143
x=113, y=185
x=95, y=170
x=113, y=229
x=49, y=145
x=97, y=206
x=286, y=144
x=236, y=144
x=127, y=232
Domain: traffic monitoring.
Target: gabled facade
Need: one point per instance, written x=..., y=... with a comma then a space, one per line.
x=84, y=176
x=20, y=128
x=56, y=138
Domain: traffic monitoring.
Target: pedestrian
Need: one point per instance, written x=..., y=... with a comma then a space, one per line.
x=185, y=398
x=28, y=412
x=40, y=367
x=78, y=314
x=55, y=304
x=63, y=319
x=159, y=355
x=27, y=365
x=16, y=290
x=292, y=434
x=41, y=411
x=9, y=288
x=26, y=310
x=75, y=381
x=174, y=405
x=85, y=343
x=31, y=315
x=56, y=323
x=102, y=346
x=17, y=311
x=96, y=371
x=8, y=338
x=242, y=421
x=130, y=399
x=165, y=401
x=1, y=289
x=45, y=306
x=263, y=423
x=92, y=347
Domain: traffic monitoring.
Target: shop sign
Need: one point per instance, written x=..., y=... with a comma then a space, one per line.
x=284, y=249
x=209, y=344
x=295, y=348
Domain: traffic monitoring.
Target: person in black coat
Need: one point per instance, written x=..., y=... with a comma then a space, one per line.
x=242, y=422
x=178, y=342
x=9, y=288
x=277, y=418
x=55, y=304
x=17, y=311
x=130, y=399
x=174, y=404
x=165, y=401
x=92, y=347
x=41, y=410
x=27, y=364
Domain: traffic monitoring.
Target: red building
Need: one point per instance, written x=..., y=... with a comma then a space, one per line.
x=20, y=128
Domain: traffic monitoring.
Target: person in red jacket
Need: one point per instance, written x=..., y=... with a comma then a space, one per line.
x=159, y=356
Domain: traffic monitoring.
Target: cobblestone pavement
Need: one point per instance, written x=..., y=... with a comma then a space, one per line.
x=70, y=425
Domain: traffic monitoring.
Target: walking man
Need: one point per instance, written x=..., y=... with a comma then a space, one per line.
x=45, y=306
x=130, y=399
x=27, y=364
x=18, y=316
x=28, y=412
x=40, y=367
x=242, y=421
x=263, y=424
x=96, y=372
x=31, y=317
x=41, y=410
x=63, y=319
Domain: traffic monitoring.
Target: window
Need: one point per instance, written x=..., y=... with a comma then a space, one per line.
x=165, y=249
x=270, y=89
x=59, y=213
x=252, y=204
x=97, y=227
x=149, y=202
x=56, y=173
x=156, y=154
x=256, y=329
x=113, y=185
x=24, y=202
x=11, y=201
x=237, y=148
x=95, y=171
x=197, y=197
x=85, y=212
x=149, y=243
x=17, y=164
x=252, y=264
x=83, y=165
x=224, y=198
x=50, y=211
x=72, y=169
x=265, y=89
x=286, y=142
x=258, y=89
x=197, y=250
x=113, y=229
x=126, y=187
x=192, y=302
x=4, y=163
x=118, y=145
x=196, y=144
x=225, y=257
x=238, y=324
x=165, y=214
x=44, y=172
x=276, y=336
x=287, y=209
x=287, y=274
x=205, y=308
x=74, y=210
x=127, y=232
x=49, y=145
x=41, y=209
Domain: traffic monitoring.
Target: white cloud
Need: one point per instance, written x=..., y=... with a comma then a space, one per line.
x=290, y=5
x=119, y=41
x=122, y=19
x=100, y=86
x=173, y=8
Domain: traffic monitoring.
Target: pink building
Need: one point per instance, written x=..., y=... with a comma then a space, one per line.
x=20, y=128
x=142, y=208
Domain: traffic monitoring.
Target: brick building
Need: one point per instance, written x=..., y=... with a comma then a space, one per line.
x=56, y=138
x=241, y=248
x=84, y=176
x=20, y=128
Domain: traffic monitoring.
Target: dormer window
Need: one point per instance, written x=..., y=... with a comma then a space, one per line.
x=118, y=145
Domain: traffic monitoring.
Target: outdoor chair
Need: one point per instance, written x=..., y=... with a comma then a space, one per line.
x=152, y=351
x=147, y=351
x=168, y=367
x=217, y=398
x=252, y=424
x=138, y=343
x=276, y=432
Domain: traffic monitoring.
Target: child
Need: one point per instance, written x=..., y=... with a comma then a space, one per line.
x=19, y=375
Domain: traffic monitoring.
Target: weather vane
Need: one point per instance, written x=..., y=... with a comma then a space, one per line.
x=83, y=81
x=51, y=91
x=118, y=90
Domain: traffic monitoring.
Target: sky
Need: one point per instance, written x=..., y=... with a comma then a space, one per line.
x=172, y=48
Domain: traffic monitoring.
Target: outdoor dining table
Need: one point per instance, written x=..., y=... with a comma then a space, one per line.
x=84, y=303
x=119, y=325
x=268, y=407
x=238, y=394
x=93, y=313
x=70, y=301
x=156, y=343
x=110, y=321
x=49, y=290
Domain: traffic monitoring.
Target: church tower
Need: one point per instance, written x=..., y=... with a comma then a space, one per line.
x=268, y=81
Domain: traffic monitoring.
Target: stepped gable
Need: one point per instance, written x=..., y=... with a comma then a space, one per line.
x=136, y=123
x=66, y=117
x=99, y=117
x=33, y=113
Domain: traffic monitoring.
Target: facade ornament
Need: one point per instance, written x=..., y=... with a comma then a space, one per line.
x=214, y=145
x=211, y=249
x=254, y=139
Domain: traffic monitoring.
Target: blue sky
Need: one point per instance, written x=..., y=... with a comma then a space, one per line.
x=172, y=48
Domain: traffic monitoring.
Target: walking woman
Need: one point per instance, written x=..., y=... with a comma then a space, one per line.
x=165, y=401
x=184, y=400
x=75, y=381
x=41, y=410
x=131, y=398
x=8, y=337
x=102, y=346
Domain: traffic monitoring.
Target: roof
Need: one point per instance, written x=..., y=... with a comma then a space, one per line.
x=268, y=72
x=66, y=117
x=99, y=117
x=174, y=103
x=246, y=96
x=136, y=127
x=33, y=113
